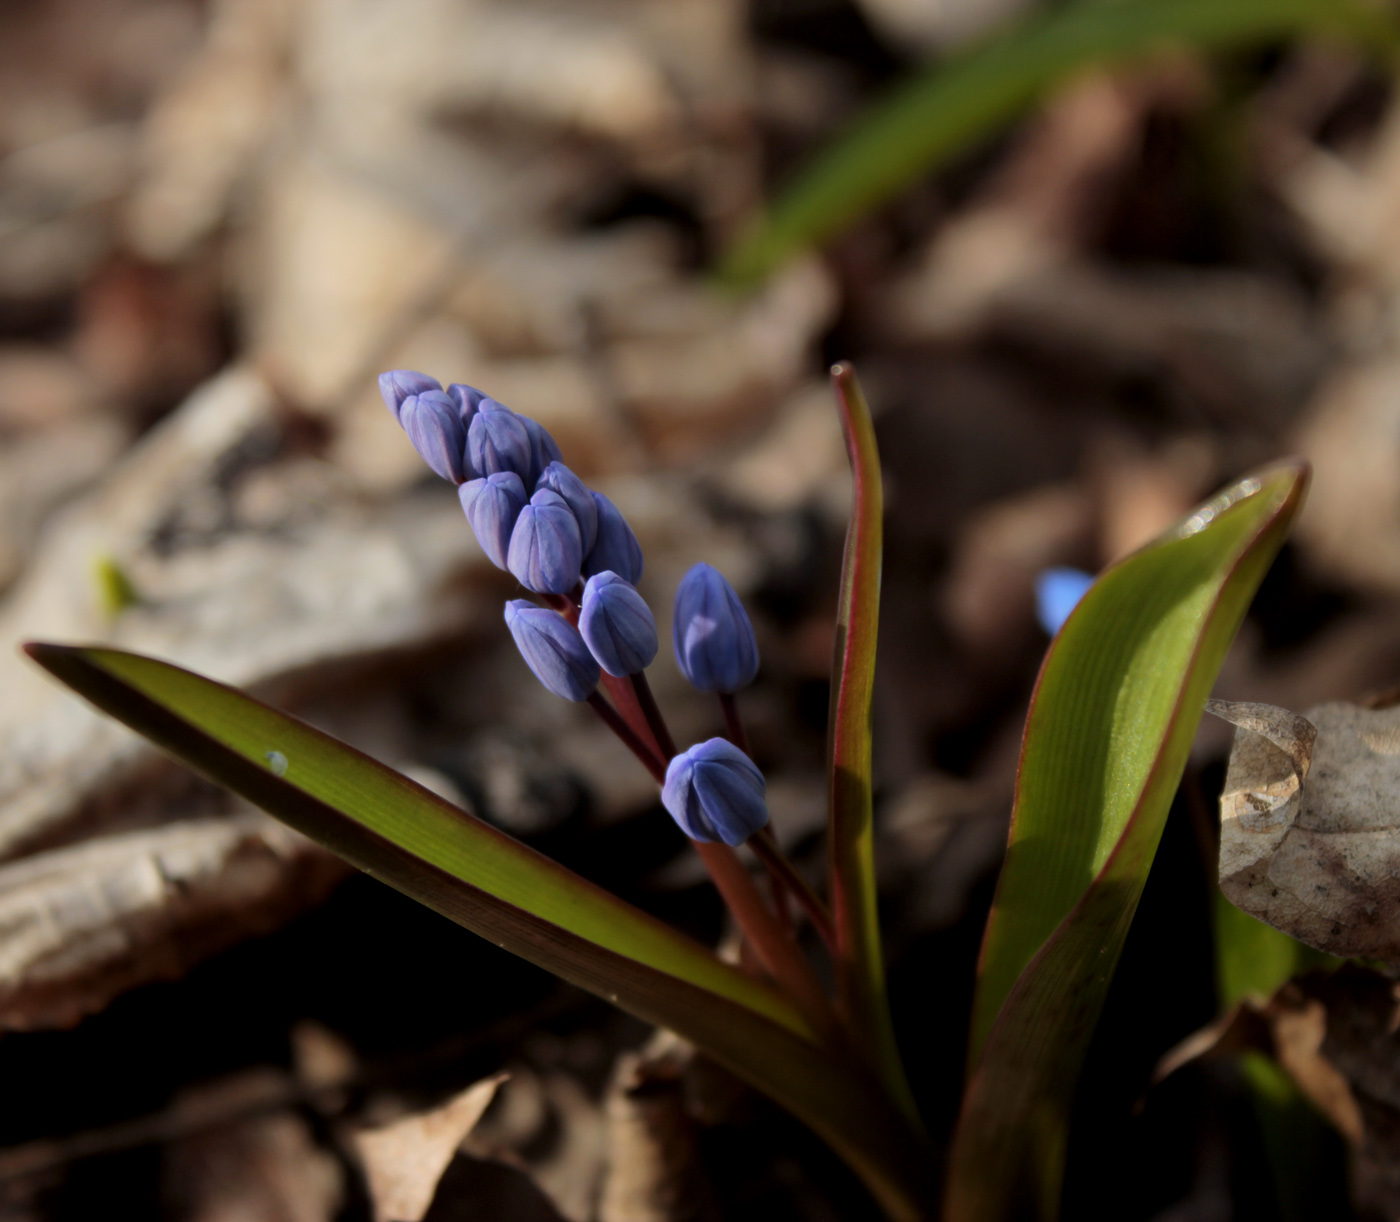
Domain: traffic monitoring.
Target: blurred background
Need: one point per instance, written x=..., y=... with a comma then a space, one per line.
x=220, y=219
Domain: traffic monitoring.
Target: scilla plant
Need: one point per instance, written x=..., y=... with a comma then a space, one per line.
x=1115, y=708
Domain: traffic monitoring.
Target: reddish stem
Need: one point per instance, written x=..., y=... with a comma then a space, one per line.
x=733, y=724
x=632, y=740
x=776, y=950
x=652, y=712
x=765, y=847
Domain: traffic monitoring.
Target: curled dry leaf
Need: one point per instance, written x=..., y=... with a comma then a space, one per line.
x=1309, y=842
x=405, y=1160
x=1292, y=1027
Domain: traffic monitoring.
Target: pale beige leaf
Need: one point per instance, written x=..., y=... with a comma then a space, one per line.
x=405, y=1160
x=1316, y=852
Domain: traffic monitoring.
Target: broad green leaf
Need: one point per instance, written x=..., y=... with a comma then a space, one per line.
x=954, y=104
x=427, y=848
x=851, y=843
x=1116, y=706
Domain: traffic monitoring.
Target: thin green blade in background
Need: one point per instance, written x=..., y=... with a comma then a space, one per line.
x=427, y=848
x=952, y=105
x=1116, y=706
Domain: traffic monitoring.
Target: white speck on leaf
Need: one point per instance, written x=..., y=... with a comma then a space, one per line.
x=277, y=762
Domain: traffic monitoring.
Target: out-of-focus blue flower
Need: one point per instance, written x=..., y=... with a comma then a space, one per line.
x=498, y=441
x=558, y=478
x=543, y=448
x=430, y=419
x=617, y=625
x=397, y=384
x=492, y=506
x=616, y=549
x=546, y=547
x=553, y=649
x=714, y=639
x=715, y=792
x=468, y=400
x=1057, y=593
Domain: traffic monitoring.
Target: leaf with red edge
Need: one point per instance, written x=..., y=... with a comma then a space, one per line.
x=427, y=848
x=1116, y=706
x=851, y=840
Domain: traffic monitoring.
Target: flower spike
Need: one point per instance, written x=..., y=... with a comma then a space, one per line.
x=553, y=649
x=397, y=384
x=545, y=546
x=616, y=549
x=558, y=478
x=618, y=625
x=713, y=637
x=493, y=506
x=715, y=792
x=436, y=431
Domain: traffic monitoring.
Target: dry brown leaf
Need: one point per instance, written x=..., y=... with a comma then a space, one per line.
x=82, y=924
x=1316, y=852
x=654, y=1172
x=405, y=1160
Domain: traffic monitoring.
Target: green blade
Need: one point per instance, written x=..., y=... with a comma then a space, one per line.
x=850, y=834
x=411, y=839
x=949, y=107
x=1115, y=709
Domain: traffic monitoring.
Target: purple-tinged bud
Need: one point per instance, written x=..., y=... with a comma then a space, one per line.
x=558, y=478
x=715, y=792
x=432, y=424
x=492, y=506
x=617, y=625
x=714, y=640
x=616, y=549
x=468, y=400
x=497, y=441
x=543, y=448
x=545, y=547
x=553, y=649
x=398, y=384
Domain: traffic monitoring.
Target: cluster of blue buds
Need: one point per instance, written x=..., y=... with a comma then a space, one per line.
x=536, y=519
x=531, y=514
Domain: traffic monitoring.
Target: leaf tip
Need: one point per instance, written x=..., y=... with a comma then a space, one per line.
x=43, y=653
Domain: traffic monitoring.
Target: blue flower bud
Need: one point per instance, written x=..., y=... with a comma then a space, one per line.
x=492, y=506
x=714, y=640
x=430, y=419
x=398, y=384
x=468, y=400
x=618, y=625
x=715, y=792
x=553, y=649
x=558, y=478
x=543, y=448
x=497, y=441
x=616, y=549
x=1057, y=593
x=545, y=547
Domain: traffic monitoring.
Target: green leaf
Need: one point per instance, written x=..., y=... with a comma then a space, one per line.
x=851, y=843
x=952, y=105
x=1116, y=706
x=1253, y=959
x=427, y=848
